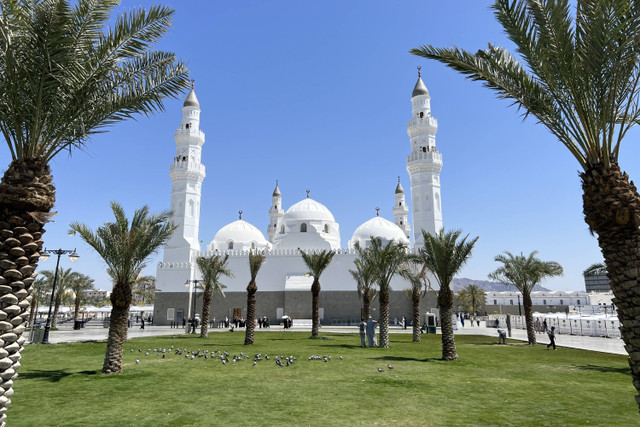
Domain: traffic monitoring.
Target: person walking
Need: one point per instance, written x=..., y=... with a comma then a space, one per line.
x=552, y=338
x=545, y=328
x=371, y=332
x=362, y=326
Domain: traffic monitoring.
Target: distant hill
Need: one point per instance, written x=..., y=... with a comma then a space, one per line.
x=486, y=285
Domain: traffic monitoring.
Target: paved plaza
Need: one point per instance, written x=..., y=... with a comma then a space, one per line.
x=97, y=332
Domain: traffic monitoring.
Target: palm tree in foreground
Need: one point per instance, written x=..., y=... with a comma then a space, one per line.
x=316, y=262
x=471, y=297
x=366, y=286
x=212, y=269
x=79, y=285
x=124, y=246
x=444, y=255
x=255, y=262
x=64, y=76
x=385, y=261
x=578, y=74
x=524, y=273
x=416, y=274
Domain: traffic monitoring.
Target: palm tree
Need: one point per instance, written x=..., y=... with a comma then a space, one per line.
x=444, y=254
x=524, y=273
x=366, y=286
x=386, y=261
x=212, y=269
x=65, y=76
x=471, y=297
x=578, y=74
x=316, y=262
x=125, y=247
x=79, y=285
x=38, y=289
x=144, y=290
x=416, y=275
x=255, y=262
x=65, y=278
x=596, y=269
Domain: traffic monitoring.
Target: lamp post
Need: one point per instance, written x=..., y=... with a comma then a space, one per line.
x=73, y=257
x=195, y=295
x=519, y=310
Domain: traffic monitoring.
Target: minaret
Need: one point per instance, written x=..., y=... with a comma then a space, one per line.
x=424, y=164
x=275, y=213
x=187, y=174
x=401, y=212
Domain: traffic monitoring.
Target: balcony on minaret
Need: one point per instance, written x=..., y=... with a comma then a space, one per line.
x=427, y=121
x=431, y=154
x=190, y=135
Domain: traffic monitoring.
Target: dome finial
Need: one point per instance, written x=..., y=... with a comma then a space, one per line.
x=398, y=179
x=193, y=83
x=239, y=214
x=377, y=211
x=308, y=191
x=419, y=69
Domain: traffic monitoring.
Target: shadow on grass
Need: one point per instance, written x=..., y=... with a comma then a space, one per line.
x=606, y=369
x=53, y=376
x=406, y=359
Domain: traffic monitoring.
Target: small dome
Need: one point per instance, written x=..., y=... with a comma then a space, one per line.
x=191, y=100
x=420, y=88
x=243, y=235
x=276, y=192
x=309, y=209
x=377, y=227
x=399, y=189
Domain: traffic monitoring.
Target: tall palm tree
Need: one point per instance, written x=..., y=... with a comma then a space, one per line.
x=211, y=268
x=416, y=274
x=40, y=285
x=316, y=262
x=578, y=74
x=124, y=246
x=67, y=70
x=63, y=283
x=444, y=254
x=471, y=297
x=524, y=273
x=363, y=275
x=79, y=285
x=386, y=261
x=255, y=262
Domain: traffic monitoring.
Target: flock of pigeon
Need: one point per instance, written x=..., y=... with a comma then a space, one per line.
x=223, y=356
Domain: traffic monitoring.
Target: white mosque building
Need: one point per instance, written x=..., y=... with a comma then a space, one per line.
x=283, y=281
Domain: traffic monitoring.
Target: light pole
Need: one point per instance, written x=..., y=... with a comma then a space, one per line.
x=73, y=257
x=187, y=284
x=519, y=310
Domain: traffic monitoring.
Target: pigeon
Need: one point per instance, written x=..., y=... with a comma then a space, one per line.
x=137, y=361
x=140, y=350
x=147, y=353
x=389, y=366
x=340, y=357
x=255, y=363
x=380, y=370
x=163, y=356
x=131, y=350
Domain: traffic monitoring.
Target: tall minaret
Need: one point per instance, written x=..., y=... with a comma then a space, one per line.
x=275, y=213
x=424, y=164
x=187, y=174
x=401, y=212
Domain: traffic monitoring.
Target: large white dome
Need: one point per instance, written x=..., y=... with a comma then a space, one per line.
x=377, y=227
x=309, y=209
x=239, y=235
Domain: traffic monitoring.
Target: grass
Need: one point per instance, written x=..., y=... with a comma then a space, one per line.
x=490, y=384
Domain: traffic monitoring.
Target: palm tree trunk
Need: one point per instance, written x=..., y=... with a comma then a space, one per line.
x=384, y=317
x=315, y=308
x=366, y=304
x=528, y=317
x=56, y=309
x=206, y=307
x=76, y=310
x=612, y=209
x=445, y=301
x=416, y=315
x=118, y=325
x=32, y=309
x=251, y=313
x=28, y=194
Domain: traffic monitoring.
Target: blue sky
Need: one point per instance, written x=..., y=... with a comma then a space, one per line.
x=317, y=95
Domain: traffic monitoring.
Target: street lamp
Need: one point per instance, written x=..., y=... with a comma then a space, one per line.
x=519, y=310
x=44, y=256
x=187, y=284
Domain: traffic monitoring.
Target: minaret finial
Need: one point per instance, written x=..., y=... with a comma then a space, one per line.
x=377, y=211
x=308, y=191
x=398, y=179
x=276, y=182
x=239, y=214
x=193, y=83
x=419, y=69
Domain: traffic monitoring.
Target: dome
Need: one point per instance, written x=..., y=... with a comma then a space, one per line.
x=239, y=235
x=191, y=100
x=309, y=209
x=377, y=227
x=420, y=88
x=399, y=189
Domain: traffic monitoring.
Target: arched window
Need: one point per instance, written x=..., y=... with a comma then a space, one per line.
x=421, y=114
x=253, y=245
x=282, y=229
x=326, y=228
x=303, y=227
x=424, y=149
x=230, y=246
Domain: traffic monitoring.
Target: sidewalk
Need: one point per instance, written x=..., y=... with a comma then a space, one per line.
x=604, y=345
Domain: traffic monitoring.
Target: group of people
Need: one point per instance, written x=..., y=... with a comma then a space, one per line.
x=287, y=322
x=368, y=331
x=470, y=318
x=263, y=322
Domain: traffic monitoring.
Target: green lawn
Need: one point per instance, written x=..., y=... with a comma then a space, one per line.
x=490, y=384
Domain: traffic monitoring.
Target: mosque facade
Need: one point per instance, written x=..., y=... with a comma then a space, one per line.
x=283, y=281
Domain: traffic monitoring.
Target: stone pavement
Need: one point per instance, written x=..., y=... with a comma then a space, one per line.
x=96, y=333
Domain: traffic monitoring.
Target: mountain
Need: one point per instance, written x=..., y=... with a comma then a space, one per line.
x=460, y=283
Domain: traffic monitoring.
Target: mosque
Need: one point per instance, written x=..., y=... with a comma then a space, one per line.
x=283, y=281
